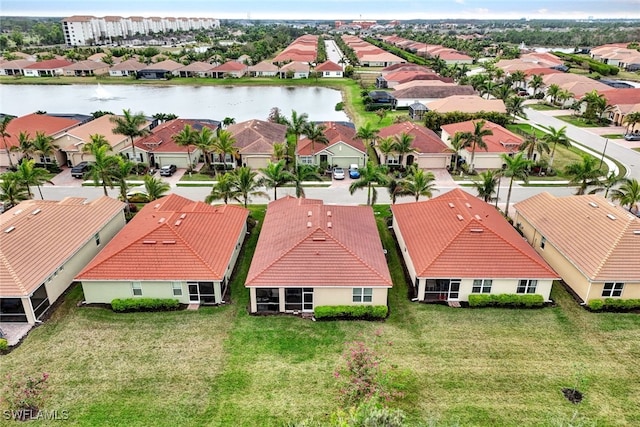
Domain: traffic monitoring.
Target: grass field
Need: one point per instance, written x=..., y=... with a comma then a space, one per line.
x=577, y=121
x=222, y=367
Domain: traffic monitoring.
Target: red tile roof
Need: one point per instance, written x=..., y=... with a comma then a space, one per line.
x=160, y=140
x=306, y=243
x=172, y=238
x=622, y=96
x=335, y=133
x=230, y=66
x=424, y=140
x=502, y=140
x=458, y=235
x=257, y=136
x=32, y=123
x=328, y=66
x=49, y=64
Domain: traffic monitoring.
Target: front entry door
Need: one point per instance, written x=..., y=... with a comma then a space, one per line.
x=193, y=293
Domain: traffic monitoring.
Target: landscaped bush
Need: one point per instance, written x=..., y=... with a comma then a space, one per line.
x=614, y=304
x=144, y=304
x=4, y=345
x=506, y=300
x=595, y=304
x=351, y=311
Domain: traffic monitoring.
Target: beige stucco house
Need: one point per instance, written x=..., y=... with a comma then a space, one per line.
x=342, y=149
x=428, y=150
x=591, y=243
x=44, y=246
x=254, y=141
x=173, y=248
x=310, y=254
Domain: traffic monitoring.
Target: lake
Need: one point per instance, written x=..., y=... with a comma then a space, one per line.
x=194, y=102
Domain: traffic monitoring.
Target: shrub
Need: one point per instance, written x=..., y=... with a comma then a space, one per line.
x=596, y=304
x=351, y=311
x=506, y=300
x=144, y=304
x=4, y=345
x=614, y=304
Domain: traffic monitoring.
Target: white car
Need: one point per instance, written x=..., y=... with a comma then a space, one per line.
x=338, y=173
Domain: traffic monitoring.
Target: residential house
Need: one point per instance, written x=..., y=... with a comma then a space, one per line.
x=501, y=141
x=158, y=148
x=342, y=149
x=160, y=70
x=263, y=69
x=591, y=243
x=310, y=254
x=302, y=49
x=623, y=102
x=428, y=150
x=15, y=67
x=329, y=69
x=47, y=68
x=173, y=248
x=45, y=244
x=393, y=79
x=578, y=85
x=197, y=69
x=617, y=55
x=295, y=70
x=417, y=111
x=467, y=104
x=381, y=99
x=427, y=91
x=230, y=69
x=130, y=67
x=254, y=141
x=456, y=245
x=86, y=69
x=31, y=124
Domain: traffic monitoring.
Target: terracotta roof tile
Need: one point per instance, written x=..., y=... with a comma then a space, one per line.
x=49, y=64
x=502, y=140
x=257, y=136
x=160, y=140
x=424, y=140
x=467, y=104
x=32, y=123
x=335, y=133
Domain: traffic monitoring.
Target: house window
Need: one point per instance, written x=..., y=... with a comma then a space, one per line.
x=177, y=289
x=392, y=160
x=543, y=241
x=482, y=286
x=307, y=160
x=97, y=238
x=39, y=301
x=612, y=289
x=527, y=286
x=362, y=294
x=136, y=288
x=268, y=299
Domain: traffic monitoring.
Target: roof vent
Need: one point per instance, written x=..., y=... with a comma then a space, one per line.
x=183, y=216
x=309, y=224
x=36, y=212
x=329, y=224
x=319, y=239
x=309, y=213
x=148, y=242
x=460, y=217
x=18, y=212
x=451, y=205
x=156, y=206
x=611, y=217
x=178, y=222
x=476, y=230
x=328, y=213
x=593, y=204
x=478, y=217
x=168, y=242
x=467, y=204
x=636, y=232
x=10, y=229
x=161, y=220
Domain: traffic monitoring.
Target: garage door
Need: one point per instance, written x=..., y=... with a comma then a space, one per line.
x=178, y=160
x=344, y=162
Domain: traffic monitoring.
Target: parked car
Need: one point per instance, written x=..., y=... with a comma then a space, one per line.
x=354, y=172
x=168, y=170
x=338, y=173
x=80, y=169
x=632, y=136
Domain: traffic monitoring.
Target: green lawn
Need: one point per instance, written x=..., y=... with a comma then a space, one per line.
x=577, y=121
x=542, y=107
x=613, y=136
x=223, y=367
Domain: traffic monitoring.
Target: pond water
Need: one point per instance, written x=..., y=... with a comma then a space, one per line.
x=193, y=102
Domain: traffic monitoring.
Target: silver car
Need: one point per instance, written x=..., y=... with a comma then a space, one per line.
x=338, y=173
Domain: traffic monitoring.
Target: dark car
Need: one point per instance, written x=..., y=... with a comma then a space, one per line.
x=80, y=169
x=168, y=170
x=632, y=136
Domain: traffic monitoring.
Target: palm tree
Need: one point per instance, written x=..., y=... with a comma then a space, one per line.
x=130, y=125
x=12, y=191
x=96, y=140
x=296, y=126
x=386, y=146
x=185, y=138
x=245, y=182
x=370, y=174
x=563, y=96
x=367, y=133
x=475, y=139
x=205, y=141
x=555, y=137
x=518, y=77
x=607, y=184
x=43, y=146
x=628, y=194
x=596, y=106
x=583, y=174
x=25, y=145
x=487, y=88
x=395, y=189
x=280, y=151
x=275, y=176
x=225, y=144
x=458, y=142
x=515, y=106
x=102, y=169
x=224, y=189
x=502, y=92
x=532, y=145
x=303, y=173
x=536, y=83
x=155, y=187
x=228, y=121
x=4, y=123
x=121, y=171
x=28, y=175
x=552, y=92
x=516, y=167
x=486, y=184
x=419, y=183
x=315, y=133
x=631, y=119
x=403, y=145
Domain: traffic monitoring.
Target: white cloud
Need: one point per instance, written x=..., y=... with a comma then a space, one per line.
x=459, y=1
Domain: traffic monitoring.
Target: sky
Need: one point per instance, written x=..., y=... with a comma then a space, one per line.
x=331, y=9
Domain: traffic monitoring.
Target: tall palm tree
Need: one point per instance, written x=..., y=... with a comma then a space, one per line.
x=224, y=189
x=628, y=194
x=96, y=140
x=280, y=151
x=486, y=184
x=296, y=126
x=502, y=92
x=536, y=83
x=186, y=138
x=12, y=191
x=419, y=183
x=4, y=123
x=275, y=175
x=25, y=145
x=458, y=142
x=102, y=169
x=631, y=120
x=487, y=88
x=228, y=121
x=518, y=77
x=245, y=182
x=563, y=96
x=555, y=137
x=596, y=105
x=303, y=173
x=395, y=189
x=225, y=143
x=315, y=133
x=516, y=167
x=205, y=141
x=367, y=133
x=386, y=146
x=515, y=106
x=403, y=144
x=476, y=139
x=155, y=187
x=552, y=92
x=130, y=125
x=43, y=145
x=584, y=173
x=532, y=145
x=28, y=174
x=607, y=184
x=370, y=174
x=121, y=170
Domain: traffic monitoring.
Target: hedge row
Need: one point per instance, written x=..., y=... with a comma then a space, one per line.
x=144, y=304
x=4, y=345
x=506, y=300
x=351, y=311
x=614, y=304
